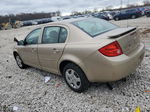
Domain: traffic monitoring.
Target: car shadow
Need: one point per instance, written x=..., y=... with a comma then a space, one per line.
x=118, y=87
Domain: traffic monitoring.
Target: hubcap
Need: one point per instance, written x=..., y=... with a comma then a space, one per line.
x=73, y=78
x=19, y=62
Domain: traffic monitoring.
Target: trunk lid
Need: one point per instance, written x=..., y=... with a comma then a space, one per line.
x=128, y=38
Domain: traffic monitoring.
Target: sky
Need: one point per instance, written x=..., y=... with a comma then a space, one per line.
x=65, y=6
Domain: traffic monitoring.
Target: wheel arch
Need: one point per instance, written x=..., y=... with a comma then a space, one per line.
x=65, y=62
x=69, y=58
x=15, y=53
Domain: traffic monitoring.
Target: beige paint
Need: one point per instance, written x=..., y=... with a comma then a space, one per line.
x=82, y=50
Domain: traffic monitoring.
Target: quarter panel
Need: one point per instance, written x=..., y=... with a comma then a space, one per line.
x=77, y=53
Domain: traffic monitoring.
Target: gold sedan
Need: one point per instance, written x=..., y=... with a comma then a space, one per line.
x=83, y=50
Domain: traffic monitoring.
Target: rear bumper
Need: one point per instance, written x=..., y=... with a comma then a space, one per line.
x=105, y=69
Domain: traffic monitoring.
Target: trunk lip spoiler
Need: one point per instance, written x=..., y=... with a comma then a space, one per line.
x=122, y=33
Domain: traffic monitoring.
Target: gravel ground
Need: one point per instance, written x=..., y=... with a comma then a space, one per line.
x=26, y=89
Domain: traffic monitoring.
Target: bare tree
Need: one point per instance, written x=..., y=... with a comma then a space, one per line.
x=109, y=7
x=95, y=10
x=58, y=13
x=131, y=5
x=28, y=16
x=146, y=2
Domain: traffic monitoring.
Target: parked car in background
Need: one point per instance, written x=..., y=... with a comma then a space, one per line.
x=147, y=12
x=27, y=23
x=34, y=22
x=82, y=50
x=128, y=14
x=113, y=13
x=44, y=20
x=108, y=14
x=0, y=27
x=66, y=17
x=56, y=18
x=142, y=9
x=78, y=16
x=101, y=16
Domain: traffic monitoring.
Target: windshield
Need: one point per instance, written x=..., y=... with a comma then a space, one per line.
x=94, y=26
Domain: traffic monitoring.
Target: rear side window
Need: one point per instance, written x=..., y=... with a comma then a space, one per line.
x=54, y=34
x=50, y=35
x=63, y=35
x=94, y=26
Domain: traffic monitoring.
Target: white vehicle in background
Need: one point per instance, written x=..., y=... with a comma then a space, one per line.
x=34, y=22
x=56, y=18
x=107, y=13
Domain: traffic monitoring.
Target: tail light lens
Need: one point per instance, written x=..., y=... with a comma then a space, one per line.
x=111, y=50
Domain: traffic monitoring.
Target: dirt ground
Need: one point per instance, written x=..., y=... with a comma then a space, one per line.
x=25, y=90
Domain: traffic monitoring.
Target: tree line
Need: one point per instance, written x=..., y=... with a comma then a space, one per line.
x=28, y=16
x=31, y=16
x=110, y=8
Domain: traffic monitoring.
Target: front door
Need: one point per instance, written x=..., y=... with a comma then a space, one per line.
x=28, y=52
x=51, y=48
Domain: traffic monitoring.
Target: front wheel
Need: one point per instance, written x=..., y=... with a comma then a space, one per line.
x=75, y=78
x=20, y=62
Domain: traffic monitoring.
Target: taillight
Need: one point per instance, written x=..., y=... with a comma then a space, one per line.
x=111, y=50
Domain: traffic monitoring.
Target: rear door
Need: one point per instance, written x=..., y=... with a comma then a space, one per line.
x=51, y=48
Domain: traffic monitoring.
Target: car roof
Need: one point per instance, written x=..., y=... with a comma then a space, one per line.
x=67, y=21
x=72, y=20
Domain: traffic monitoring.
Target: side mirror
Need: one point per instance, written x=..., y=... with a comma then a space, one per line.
x=21, y=42
x=15, y=40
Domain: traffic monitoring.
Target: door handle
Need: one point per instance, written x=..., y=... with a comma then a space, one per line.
x=33, y=49
x=55, y=50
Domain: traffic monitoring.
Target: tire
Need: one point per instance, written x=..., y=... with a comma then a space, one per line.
x=148, y=15
x=133, y=16
x=20, y=62
x=75, y=78
x=116, y=19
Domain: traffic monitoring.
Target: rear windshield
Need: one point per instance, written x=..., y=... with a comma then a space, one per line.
x=94, y=26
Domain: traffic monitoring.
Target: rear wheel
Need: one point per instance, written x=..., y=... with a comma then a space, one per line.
x=20, y=62
x=75, y=78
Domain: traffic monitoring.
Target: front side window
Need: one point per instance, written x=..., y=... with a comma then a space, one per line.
x=33, y=37
x=94, y=26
